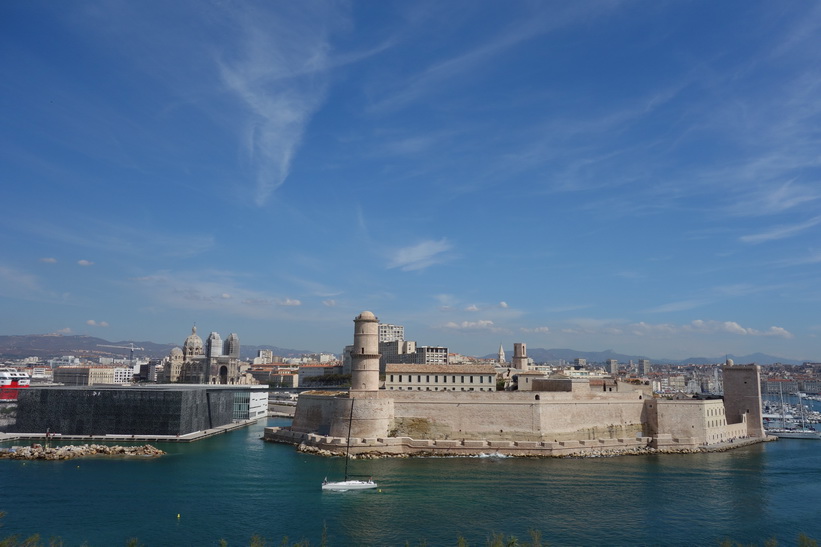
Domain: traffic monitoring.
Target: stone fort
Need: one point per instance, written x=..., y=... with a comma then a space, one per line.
x=555, y=417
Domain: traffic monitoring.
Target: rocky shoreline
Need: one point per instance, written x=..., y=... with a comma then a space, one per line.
x=39, y=452
x=590, y=453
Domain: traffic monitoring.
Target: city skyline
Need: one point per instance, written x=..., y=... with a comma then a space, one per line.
x=639, y=177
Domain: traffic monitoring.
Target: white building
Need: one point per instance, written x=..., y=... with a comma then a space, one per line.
x=123, y=375
x=64, y=361
x=432, y=355
x=420, y=377
x=391, y=333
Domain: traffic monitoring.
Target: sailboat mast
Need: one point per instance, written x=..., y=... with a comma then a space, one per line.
x=801, y=411
x=348, y=450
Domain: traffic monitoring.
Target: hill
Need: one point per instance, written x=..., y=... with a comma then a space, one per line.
x=47, y=346
x=55, y=345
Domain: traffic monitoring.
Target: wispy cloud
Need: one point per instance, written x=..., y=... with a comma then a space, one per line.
x=84, y=262
x=461, y=66
x=16, y=282
x=781, y=232
x=572, y=307
x=48, y=260
x=732, y=327
x=680, y=305
x=121, y=238
x=420, y=255
x=776, y=198
x=700, y=326
x=472, y=326
x=812, y=257
x=535, y=330
x=279, y=76
x=222, y=291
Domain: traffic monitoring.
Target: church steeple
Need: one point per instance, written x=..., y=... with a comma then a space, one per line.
x=501, y=354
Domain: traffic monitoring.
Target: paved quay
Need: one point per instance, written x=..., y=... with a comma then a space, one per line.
x=187, y=438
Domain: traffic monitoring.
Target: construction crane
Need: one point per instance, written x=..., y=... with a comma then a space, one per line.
x=131, y=347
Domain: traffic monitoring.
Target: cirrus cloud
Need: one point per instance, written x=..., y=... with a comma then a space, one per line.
x=420, y=256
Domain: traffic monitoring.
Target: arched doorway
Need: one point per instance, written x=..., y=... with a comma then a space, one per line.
x=223, y=375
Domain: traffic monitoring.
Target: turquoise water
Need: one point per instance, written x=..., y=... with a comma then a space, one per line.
x=235, y=486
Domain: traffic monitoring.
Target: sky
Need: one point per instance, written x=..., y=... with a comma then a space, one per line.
x=639, y=176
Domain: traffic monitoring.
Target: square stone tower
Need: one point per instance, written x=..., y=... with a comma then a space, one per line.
x=742, y=396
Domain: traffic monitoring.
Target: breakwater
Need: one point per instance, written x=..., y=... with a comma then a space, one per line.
x=39, y=452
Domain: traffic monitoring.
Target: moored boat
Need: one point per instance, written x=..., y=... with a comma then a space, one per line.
x=11, y=382
x=348, y=484
x=790, y=430
x=785, y=433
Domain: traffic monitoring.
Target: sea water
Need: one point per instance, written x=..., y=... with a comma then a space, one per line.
x=235, y=486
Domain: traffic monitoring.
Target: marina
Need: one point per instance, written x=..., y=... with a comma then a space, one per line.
x=792, y=419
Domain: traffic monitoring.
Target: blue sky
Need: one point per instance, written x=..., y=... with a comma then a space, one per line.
x=636, y=176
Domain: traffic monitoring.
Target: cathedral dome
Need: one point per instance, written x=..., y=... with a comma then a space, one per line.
x=193, y=344
x=176, y=352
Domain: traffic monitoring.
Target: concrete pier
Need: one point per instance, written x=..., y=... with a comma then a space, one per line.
x=187, y=438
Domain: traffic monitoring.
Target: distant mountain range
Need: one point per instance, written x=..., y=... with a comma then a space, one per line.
x=56, y=345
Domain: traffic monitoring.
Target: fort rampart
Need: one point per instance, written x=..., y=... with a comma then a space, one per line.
x=554, y=417
x=407, y=446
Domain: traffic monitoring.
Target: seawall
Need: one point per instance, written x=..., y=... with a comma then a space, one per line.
x=407, y=447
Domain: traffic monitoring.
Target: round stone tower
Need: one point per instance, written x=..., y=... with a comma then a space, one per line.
x=365, y=356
